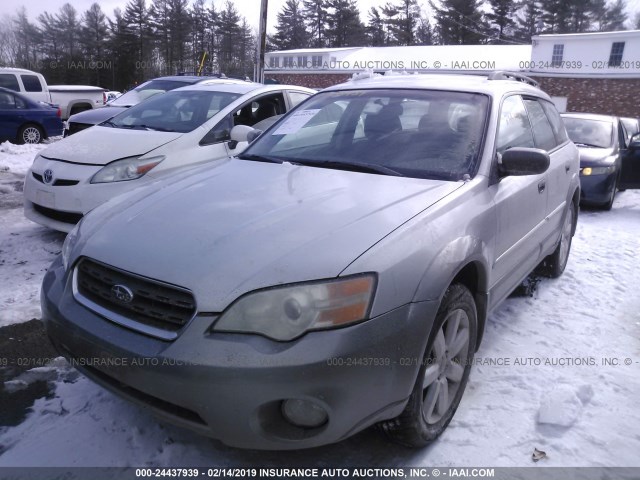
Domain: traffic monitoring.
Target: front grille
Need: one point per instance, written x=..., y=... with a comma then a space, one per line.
x=75, y=127
x=153, y=304
x=65, y=217
x=58, y=183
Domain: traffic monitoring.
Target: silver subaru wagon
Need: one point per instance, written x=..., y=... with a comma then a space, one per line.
x=335, y=275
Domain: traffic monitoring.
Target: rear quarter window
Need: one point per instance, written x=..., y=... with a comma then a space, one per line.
x=31, y=83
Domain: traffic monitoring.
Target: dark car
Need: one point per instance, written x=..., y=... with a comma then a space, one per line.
x=631, y=126
x=89, y=118
x=23, y=120
x=602, y=142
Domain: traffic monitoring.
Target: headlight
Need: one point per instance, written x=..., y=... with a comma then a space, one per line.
x=587, y=171
x=69, y=244
x=284, y=313
x=126, y=169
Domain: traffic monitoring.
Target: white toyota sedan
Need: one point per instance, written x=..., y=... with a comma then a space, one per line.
x=180, y=128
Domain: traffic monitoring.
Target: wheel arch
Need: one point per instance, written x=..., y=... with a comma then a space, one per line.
x=469, y=255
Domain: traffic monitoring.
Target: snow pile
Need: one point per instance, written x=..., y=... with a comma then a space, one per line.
x=561, y=407
x=18, y=158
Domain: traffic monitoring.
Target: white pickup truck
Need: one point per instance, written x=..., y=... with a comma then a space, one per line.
x=70, y=98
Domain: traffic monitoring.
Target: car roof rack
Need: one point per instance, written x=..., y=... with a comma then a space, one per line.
x=518, y=77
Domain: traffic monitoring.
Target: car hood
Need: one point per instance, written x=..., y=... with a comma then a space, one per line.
x=101, y=145
x=590, y=157
x=244, y=225
x=97, y=115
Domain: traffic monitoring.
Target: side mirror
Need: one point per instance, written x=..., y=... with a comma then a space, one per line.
x=634, y=143
x=242, y=133
x=521, y=161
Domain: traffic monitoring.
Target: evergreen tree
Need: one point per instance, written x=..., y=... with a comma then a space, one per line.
x=615, y=17
x=28, y=40
x=460, y=22
x=291, y=31
x=375, y=28
x=95, y=32
x=407, y=22
x=528, y=21
x=424, y=32
x=139, y=35
x=501, y=18
x=315, y=14
x=345, y=29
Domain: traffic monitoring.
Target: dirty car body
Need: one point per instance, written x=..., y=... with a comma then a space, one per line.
x=304, y=291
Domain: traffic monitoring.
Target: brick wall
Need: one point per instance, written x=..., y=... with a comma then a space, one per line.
x=610, y=96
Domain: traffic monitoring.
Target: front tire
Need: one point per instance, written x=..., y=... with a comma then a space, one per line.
x=443, y=375
x=30, y=134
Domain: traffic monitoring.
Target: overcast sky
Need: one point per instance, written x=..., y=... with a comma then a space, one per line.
x=249, y=8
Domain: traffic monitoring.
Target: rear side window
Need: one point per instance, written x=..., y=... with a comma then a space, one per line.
x=515, y=128
x=297, y=97
x=9, y=80
x=556, y=121
x=31, y=83
x=7, y=101
x=542, y=131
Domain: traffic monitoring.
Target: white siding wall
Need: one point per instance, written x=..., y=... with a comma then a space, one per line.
x=587, y=55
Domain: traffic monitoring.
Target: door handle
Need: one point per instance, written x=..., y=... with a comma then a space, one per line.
x=567, y=167
x=541, y=186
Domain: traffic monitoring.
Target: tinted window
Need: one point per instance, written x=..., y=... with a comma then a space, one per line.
x=9, y=80
x=31, y=83
x=515, y=129
x=542, y=131
x=556, y=121
x=7, y=101
x=589, y=133
x=179, y=111
x=297, y=97
x=421, y=134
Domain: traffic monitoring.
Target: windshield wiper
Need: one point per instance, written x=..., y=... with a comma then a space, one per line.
x=580, y=144
x=110, y=123
x=258, y=158
x=158, y=129
x=355, y=167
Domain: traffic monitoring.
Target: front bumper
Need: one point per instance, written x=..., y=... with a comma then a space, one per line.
x=61, y=206
x=231, y=386
x=596, y=189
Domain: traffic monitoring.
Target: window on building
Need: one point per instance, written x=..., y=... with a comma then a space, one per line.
x=288, y=62
x=617, y=49
x=274, y=62
x=558, y=53
x=302, y=62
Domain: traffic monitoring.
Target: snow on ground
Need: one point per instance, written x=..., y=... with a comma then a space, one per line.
x=539, y=379
x=26, y=250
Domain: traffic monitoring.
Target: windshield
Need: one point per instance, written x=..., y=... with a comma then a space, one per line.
x=178, y=111
x=588, y=132
x=146, y=90
x=414, y=133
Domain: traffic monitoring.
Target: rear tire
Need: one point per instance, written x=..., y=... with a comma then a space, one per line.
x=553, y=266
x=30, y=134
x=443, y=374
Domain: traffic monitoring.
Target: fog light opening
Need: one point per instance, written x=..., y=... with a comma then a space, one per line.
x=304, y=413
